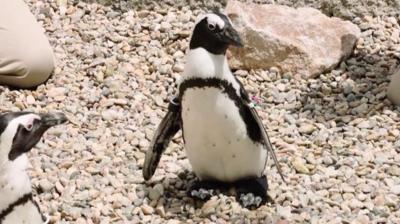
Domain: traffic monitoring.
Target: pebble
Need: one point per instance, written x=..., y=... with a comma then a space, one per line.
x=147, y=210
x=299, y=166
x=45, y=185
x=178, y=68
x=364, y=125
x=306, y=129
x=209, y=207
x=109, y=115
x=348, y=86
x=156, y=192
x=284, y=211
x=30, y=99
x=160, y=211
x=395, y=189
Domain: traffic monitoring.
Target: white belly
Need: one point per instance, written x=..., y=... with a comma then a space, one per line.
x=26, y=213
x=216, y=139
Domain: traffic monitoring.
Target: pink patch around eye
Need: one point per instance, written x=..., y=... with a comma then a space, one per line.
x=29, y=124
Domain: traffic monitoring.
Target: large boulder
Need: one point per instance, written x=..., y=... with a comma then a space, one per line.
x=302, y=41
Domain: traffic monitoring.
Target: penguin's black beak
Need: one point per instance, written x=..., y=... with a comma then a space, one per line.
x=230, y=36
x=53, y=119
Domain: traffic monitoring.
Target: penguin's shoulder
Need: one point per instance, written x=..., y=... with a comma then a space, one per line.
x=209, y=82
x=249, y=115
x=242, y=91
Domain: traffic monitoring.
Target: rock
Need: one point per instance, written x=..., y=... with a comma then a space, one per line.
x=351, y=8
x=379, y=200
x=75, y=212
x=59, y=187
x=77, y=15
x=209, y=207
x=364, y=124
x=362, y=219
x=282, y=221
x=164, y=69
x=395, y=189
x=348, y=86
x=147, y=210
x=58, y=93
x=354, y=203
x=328, y=161
x=302, y=41
x=112, y=14
x=299, y=166
x=160, y=211
x=45, y=185
x=366, y=188
x=30, y=99
x=62, y=4
x=178, y=68
x=306, y=129
x=284, y=211
x=394, y=171
x=156, y=192
x=172, y=221
x=110, y=114
x=361, y=109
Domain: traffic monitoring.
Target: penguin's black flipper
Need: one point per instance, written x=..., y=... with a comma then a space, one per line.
x=264, y=135
x=168, y=127
x=267, y=142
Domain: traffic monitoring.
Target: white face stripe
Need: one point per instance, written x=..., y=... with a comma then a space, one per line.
x=213, y=19
x=6, y=138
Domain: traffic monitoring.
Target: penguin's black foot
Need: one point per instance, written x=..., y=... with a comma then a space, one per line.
x=204, y=190
x=252, y=193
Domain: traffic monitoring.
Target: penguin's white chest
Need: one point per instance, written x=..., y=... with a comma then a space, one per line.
x=216, y=139
x=14, y=184
x=26, y=213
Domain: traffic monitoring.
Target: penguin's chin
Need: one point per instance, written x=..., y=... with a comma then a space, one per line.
x=20, y=163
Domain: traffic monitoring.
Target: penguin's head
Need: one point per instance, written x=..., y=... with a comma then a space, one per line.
x=20, y=131
x=214, y=32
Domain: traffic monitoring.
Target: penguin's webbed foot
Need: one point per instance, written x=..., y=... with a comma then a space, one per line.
x=252, y=193
x=250, y=200
x=204, y=190
x=202, y=194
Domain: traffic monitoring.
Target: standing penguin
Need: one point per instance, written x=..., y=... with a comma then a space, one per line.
x=19, y=132
x=225, y=140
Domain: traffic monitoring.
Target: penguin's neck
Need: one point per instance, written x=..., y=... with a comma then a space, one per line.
x=200, y=63
x=14, y=181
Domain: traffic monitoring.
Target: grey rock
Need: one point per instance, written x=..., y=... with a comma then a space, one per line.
x=284, y=211
x=306, y=129
x=156, y=192
x=395, y=189
x=46, y=185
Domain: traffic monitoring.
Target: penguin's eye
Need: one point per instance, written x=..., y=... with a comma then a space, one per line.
x=211, y=27
x=29, y=127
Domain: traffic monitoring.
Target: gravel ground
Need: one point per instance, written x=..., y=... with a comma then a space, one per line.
x=337, y=137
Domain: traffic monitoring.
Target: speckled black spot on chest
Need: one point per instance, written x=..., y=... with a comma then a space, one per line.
x=241, y=101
